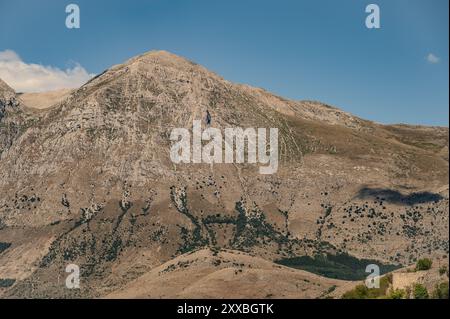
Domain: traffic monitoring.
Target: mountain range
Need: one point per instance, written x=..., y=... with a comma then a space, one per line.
x=86, y=179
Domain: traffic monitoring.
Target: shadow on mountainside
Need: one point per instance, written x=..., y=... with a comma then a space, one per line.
x=340, y=266
x=395, y=197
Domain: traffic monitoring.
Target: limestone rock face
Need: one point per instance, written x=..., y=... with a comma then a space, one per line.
x=90, y=181
x=10, y=117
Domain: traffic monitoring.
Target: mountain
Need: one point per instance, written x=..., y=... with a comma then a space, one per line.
x=89, y=181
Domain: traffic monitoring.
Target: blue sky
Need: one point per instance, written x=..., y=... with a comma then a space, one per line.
x=318, y=50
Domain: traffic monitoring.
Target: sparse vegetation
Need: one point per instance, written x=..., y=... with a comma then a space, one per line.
x=397, y=294
x=441, y=291
x=424, y=264
x=362, y=292
x=443, y=270
x=420, y=292
x=359, y=292
x=331, y=289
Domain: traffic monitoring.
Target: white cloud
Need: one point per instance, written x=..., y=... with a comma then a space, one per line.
x=29, y=77
x=431, y=58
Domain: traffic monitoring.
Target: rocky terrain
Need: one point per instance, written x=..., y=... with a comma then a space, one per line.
x=87, y=179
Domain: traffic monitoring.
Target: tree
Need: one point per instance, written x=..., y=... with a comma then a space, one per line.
x=441, y=291
x=420, y=292
x=424, y=264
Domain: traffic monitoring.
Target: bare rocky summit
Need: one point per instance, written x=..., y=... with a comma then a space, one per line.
x=89, y=181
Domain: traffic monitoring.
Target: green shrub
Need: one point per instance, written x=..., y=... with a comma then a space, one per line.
x=397, y=294
x=424, y=264
x=359, y=292
x=443, y=270
x=420, y=292
x=362, y=292
x=385, y=281
x=388, y=278
x=331, y=289
x=441, y=291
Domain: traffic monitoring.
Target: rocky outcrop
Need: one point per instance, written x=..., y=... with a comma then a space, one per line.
x=9, y=119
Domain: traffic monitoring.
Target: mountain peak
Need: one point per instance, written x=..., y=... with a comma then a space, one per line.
x=161, y=58
x=160, y=55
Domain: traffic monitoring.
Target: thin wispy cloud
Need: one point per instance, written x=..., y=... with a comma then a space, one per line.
x=433, y=59
x=30, y=77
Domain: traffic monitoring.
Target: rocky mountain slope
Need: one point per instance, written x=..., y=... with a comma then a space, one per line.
x=89, y=181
